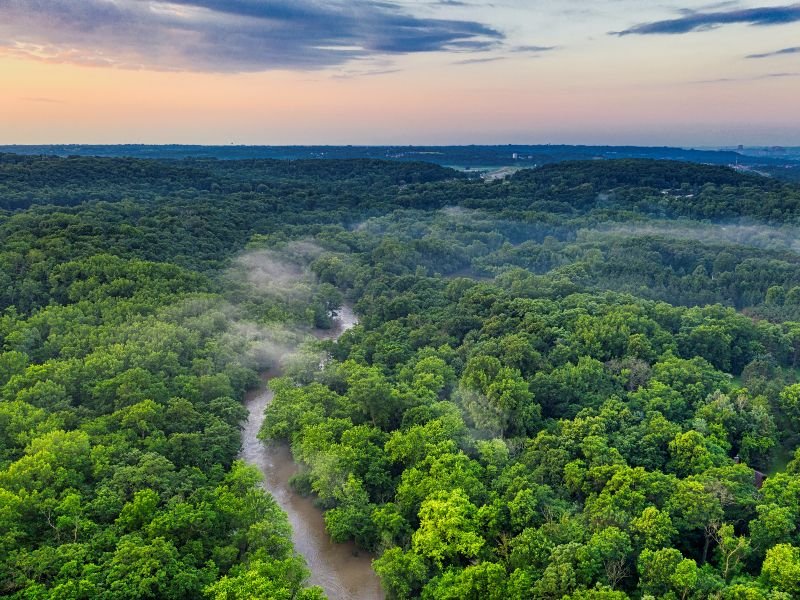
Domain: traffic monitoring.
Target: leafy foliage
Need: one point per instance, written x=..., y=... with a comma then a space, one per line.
x=560, y=387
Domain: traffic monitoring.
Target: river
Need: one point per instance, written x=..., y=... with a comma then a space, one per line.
x=343, y=571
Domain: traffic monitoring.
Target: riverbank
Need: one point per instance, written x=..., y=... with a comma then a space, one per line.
x=343, y=571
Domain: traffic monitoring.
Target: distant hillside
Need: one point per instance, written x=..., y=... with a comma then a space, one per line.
x=474, y=157
x=667, y=188
x=26, y=180
x=647, y=186
x=639, y=173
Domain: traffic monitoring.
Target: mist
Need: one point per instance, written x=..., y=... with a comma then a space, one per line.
x=278, y=272
x=261, y=318
x=765, y=237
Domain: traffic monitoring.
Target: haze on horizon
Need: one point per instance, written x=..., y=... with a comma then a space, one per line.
x=399, y=72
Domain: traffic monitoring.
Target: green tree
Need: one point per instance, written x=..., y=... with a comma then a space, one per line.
x=781, y=568
x=447, y=529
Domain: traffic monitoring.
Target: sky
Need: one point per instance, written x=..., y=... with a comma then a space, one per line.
x=280, y=72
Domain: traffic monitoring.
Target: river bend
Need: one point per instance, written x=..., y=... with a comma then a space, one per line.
x=343, y=571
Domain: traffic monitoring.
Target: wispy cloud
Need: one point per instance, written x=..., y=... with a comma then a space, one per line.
x=512, y=52
x=228, y=35
x=703, y=21
x=781, y=52
x=478, y=61
x=43, y=100
x=368, y=73
x=532, y=49
x=751, y=78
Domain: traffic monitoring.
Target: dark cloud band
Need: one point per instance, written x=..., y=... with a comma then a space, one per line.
x=227, y=35
x=700, y=21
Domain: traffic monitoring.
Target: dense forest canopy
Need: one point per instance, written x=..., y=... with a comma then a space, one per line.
x=566, y=384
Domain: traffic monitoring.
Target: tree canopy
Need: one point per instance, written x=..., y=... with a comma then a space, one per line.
x=567, y=384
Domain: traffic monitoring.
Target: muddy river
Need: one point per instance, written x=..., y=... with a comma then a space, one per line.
x=344, y=572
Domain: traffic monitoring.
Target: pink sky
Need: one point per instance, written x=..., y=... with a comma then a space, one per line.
x=511, y=75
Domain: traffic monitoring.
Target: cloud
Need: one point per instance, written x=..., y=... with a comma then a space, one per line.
x=478, y=61
x=514, y=50
x=781, y=52
x=533, y=49
x=227, y=35
x=763, y=77
x=366, y=73
x=703, y=21
x=42, y=100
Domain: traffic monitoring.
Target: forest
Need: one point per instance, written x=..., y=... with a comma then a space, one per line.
x=783, y=164
x=578, y=382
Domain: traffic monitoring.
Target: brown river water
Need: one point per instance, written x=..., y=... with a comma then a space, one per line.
x=343, y=571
